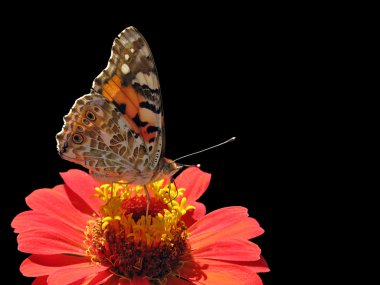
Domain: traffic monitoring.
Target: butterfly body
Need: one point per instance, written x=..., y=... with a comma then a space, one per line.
x=117, y=131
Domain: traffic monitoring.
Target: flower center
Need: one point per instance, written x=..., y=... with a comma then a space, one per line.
x=137, y=206
x=132, y=245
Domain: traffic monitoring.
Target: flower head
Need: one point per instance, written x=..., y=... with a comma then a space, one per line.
x=79, y=233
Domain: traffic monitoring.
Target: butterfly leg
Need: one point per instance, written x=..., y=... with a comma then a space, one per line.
x=147, y=202
x=172, y=181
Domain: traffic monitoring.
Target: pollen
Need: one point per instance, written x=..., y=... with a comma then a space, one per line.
x=133, y=244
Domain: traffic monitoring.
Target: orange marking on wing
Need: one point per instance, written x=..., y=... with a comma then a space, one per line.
x=147, y=136
x=131, y=99
x=111, y=88
x=128, y=96
x=132, y=123
x=133, y=95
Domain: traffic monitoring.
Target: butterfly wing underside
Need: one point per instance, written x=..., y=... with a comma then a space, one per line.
x=130, y=82
x=117, y=131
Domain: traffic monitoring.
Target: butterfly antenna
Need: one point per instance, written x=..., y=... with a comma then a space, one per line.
x=206, y=149
x=189, y=165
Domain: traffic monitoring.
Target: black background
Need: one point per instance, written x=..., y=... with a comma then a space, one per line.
x=224, y=72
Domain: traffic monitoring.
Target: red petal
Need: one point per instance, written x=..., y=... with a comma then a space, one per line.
x=249, y=267
x=195, y=181
x=139, y=281
x=30, y=221
x=114, y=280
x=40, y=265
x=210, y=270
x=39, y=223
x=255, y=280
x=229, y=222
x=101, y=278
x=136, y=281
x=177, y=281
x=192, y=216
x=40, y=281
x=94, y=279
x=117, y=281
x=200, y=210
x=42, y=242
x=54, y=203
x=77, y=202
x=83, y=185
x=233, y=250
x=72, y=274
x=124, y=282
x=208, y=277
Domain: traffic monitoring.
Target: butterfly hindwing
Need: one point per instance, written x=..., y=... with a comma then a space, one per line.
x=97, y=136
x=130, y=82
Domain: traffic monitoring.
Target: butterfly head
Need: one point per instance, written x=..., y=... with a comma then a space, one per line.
x=168, y=167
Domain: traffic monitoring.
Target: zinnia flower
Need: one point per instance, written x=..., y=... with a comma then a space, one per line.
x=80, y=236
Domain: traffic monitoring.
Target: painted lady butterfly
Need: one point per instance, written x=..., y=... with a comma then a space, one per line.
x=117, y=131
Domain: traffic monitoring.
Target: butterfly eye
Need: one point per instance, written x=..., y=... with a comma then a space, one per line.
x=96, y=109
x=77, y=138
x=80, y=129
x=85, y=121
x=90, y=116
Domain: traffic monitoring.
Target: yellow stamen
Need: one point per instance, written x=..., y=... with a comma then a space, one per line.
x=129, y=243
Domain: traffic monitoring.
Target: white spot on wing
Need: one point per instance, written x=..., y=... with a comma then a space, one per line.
x=125, y=68
x=145, y=51
x=132, y=50
x=126, y=56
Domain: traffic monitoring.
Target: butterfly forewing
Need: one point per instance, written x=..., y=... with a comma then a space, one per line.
x=130, y=82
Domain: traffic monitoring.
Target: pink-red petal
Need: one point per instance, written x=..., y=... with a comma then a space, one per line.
x=120, y=281
x=176, y=281
x=72, y=274
x=208, y=270
x=205, y=276
x=139, y=281
x=192, y=216
x=195, y=181
x=248, y=267
x=112, y=281
x=115, y=280
x=232, y=250
x=40, y=281
x=84, y=186
x=42, y=242
x=29, y=221
x=224, y=223
x=200, y=210
x=40, y=265
x=97, y=278
x=100, y=278
x=55, y=203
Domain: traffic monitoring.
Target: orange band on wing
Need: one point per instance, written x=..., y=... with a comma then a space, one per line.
x=111, y=88
x=114, y=91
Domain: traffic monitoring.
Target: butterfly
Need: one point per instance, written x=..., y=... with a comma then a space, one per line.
x=117, y=130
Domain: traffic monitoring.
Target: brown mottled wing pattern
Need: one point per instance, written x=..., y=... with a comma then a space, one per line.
x=130, y=83
x=97, y=136
x=117, y=131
